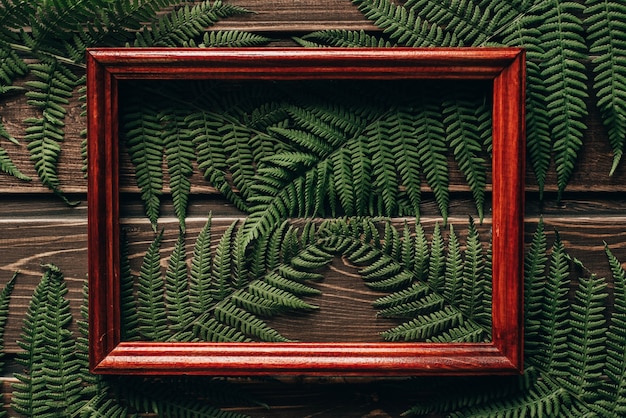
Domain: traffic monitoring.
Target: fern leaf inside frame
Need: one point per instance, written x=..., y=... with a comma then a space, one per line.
x=151, y=308
x=177, y=300
x=211, y=155
x=179, y=155
x=606, y=30
x=432, y=154
x=200, y=275
x=465, y=141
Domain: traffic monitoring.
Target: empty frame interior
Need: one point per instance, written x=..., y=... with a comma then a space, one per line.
x=108, y=70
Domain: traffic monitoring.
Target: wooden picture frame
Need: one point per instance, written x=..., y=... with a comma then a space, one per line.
x=504, y=67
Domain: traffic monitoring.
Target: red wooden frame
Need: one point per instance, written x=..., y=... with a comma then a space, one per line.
x=504, y=66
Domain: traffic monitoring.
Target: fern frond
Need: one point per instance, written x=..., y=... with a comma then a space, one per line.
x=345, y=38
x=462, y=130
x=535, y=265
x=404, y=26
x=50, y=93
x=552, y=352
x=476, y=287
x=606, y=31
x=453, y=286
x=200, y=275
x=432, y=154
x=613, y=391
x=177, y=299
x=142, y=134
x=5, y=297
x=543, y=400
x=426, y=326
x=179, y=155
x=129, y=318
x=291, y=286
x=211, y=155
x=221, y=284
x=405, y=296
x=229, y=314
x=49, y=386
x=586, y=340
x=184, y=24
x=431, y=302
x=7, y=166
x=282, y=298
x=565, y=82
x=466, y=20
x=405, y=151
x=151, y=308
x=113, y=24
x=523, y=32
x=437, y=264
x=232, y=39
x=210, y=329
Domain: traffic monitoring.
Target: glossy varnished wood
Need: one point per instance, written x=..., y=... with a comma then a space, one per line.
x=505, y=67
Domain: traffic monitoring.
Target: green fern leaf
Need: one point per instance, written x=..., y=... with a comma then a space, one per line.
x=475, y=285
x=232, y=39
x=129, y=318
x=404, y=26
x=291, y=286
x=344, y=38
x=8, y=167
x=50, y=92
x=553, y=324
x=613, y=392
x=436, y=267
x=431, y=302
x=229, y=314
x=179, y=155
x=221, y=285
x=405, y=296
x=177, y=300
x=281, y=298
x=466, y=20
x=432, y=154
x=535, y=265
x=425, y=326
x=452, y=291
x=150, y=296
x=586, y=339
x=200, y=276
x=211, y=155
x=210, y=329
x=142, y=133
x=5, y=297
x=523, y=32
x=463, y=134
x=185, y=23
x=606, y=32
x=50, y=386
x=565, y=82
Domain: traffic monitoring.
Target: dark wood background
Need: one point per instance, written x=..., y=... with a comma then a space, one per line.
x=37, y=228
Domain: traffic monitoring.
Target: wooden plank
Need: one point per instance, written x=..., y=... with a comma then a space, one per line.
x=296, y=16
x=28, y=243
